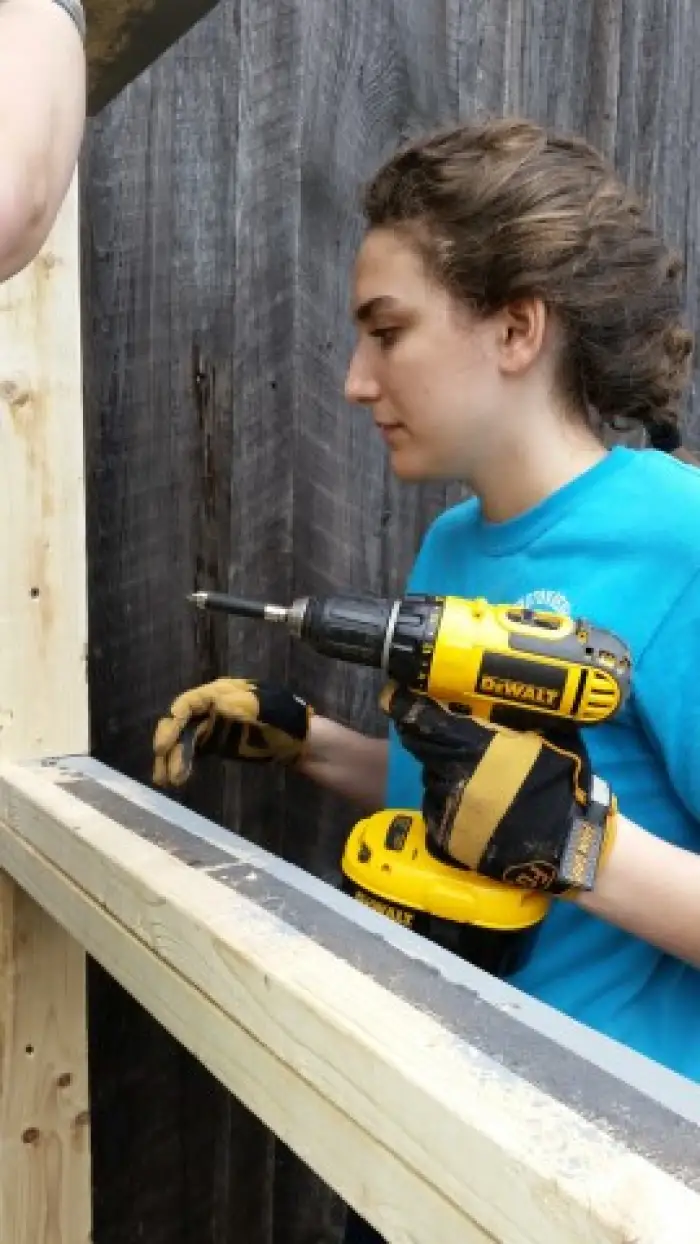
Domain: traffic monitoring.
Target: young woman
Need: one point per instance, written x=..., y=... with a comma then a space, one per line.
x=510, y=300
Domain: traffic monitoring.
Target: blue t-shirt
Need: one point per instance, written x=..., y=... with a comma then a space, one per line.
x=620, y=546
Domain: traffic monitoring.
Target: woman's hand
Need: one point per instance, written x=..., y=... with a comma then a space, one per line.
x=496, y=798
x=234, y=719
x=510, y=804
x=241, y=719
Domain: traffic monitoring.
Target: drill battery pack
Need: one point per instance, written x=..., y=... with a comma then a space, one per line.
x=389, y=866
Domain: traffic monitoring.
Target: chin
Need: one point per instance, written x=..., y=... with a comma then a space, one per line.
x=415, y=468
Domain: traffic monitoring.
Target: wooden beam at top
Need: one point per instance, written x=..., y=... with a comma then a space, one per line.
x=126, y=36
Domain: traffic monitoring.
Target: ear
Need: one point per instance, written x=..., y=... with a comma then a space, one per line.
x=522, y=331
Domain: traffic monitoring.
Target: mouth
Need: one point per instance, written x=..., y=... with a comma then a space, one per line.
x=389, y=430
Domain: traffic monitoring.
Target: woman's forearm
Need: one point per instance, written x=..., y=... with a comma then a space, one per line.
x=348, y=763
x=42, y=119
x=652, y=890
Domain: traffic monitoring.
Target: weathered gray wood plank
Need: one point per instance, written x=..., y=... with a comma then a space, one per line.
x=160, y=371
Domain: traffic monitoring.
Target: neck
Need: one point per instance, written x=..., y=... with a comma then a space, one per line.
x=522, y=474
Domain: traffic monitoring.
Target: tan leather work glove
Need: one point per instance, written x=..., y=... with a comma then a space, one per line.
x=233, y=718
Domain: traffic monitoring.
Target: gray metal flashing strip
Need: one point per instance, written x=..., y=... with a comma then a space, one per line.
x=652, y=1111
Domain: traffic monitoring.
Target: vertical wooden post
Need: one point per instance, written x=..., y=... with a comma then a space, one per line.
x=45, y=1192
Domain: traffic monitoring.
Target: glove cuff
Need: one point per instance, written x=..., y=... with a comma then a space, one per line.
x=292, y=759
x=590, y=841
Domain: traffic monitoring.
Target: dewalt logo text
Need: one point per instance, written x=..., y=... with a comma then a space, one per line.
x=520, y=692
x=398, y=914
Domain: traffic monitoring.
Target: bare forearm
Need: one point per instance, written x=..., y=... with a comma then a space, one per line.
x=652, y=890
x=42, y=118
x=348, y=763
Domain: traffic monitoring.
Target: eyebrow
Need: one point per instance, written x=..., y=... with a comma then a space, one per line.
x=383, y=302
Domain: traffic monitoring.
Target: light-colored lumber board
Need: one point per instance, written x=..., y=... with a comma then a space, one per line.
x=278, y=1093
x=45, y=1169
x=417, y=1098
x=44, y=1155
x=43, y=627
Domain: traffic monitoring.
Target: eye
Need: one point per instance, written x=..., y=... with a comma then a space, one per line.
x=387, y=337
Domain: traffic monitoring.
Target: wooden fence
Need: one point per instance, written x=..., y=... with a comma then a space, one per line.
x=219, y=222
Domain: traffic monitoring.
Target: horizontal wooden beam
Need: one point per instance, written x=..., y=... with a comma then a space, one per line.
x=126, y=36
x=381, y=1060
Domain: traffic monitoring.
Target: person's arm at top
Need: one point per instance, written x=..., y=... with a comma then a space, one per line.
x=648, y=886
x=42, y=119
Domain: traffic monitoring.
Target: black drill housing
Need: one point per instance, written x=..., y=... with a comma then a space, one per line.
x=396, y=636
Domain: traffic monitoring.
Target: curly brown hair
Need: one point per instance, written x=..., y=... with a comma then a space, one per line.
x=506, y=209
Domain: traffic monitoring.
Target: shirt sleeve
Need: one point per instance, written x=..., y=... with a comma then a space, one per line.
x=666, y=690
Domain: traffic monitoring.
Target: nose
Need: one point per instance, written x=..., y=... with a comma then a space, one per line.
x=360, y=385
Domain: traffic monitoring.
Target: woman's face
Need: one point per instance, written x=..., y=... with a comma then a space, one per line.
x=429, y=370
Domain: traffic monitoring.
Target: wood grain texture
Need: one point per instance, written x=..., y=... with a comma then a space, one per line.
x=160, y=394
x=45, y=1173
x=413, y=1125
x=269, y=1086
x=44, y=1111
x=126, y=36
x=220, y=224
x=43, y=702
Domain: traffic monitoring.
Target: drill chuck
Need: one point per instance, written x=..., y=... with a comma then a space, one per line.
x=382, y=634
x=396, y=636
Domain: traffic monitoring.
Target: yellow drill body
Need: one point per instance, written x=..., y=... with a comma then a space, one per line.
x=483, y=656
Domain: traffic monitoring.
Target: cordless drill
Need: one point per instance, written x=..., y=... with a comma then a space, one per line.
x=513, y=666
